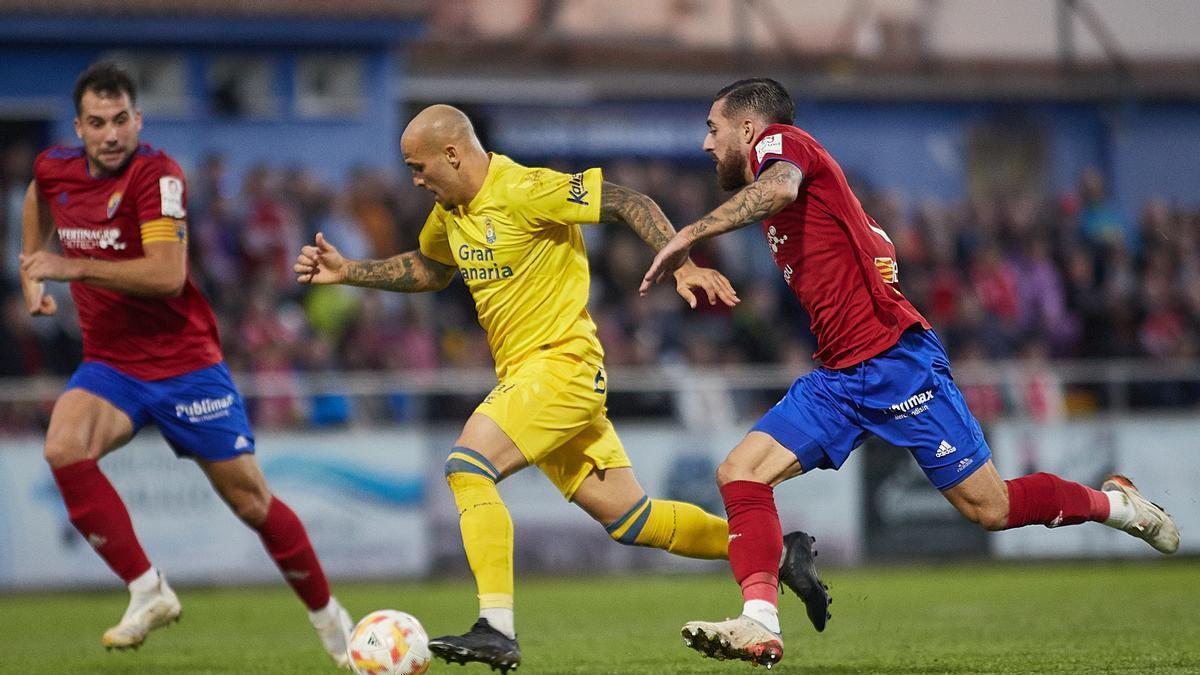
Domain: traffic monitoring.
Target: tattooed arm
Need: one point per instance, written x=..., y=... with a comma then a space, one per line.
x=776, y=187
x=409, y=272
x=639, y=212
x=644, y=217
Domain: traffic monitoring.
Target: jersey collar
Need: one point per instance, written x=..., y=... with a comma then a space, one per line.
x=496, y=162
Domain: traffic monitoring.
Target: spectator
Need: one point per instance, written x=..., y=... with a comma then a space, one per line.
x=1101, y=221
x=16, y=166
x=1068, y=275
x=368, y=205
x=270, y=233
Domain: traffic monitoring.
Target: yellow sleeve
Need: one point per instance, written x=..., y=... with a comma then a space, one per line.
x=549, y=198
x=434, y=242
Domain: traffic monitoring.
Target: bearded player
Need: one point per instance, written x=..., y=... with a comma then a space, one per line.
x=150, y=354
x=883, y=370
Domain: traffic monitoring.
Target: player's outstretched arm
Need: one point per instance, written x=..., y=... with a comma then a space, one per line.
x=621, y=204
x=409, y=272
x=37, y=226
x=643, y=216
x=775, y=188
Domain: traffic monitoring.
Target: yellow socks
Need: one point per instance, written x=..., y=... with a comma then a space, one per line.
x=678, y=527
x=487, y=529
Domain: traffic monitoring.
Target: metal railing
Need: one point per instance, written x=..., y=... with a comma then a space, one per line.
x=1112, y=377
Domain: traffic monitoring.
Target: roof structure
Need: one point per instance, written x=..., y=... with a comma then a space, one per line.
x=353, y=9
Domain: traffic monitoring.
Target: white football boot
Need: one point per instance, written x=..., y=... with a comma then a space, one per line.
x=1151, y=523
x=741, y=638
x=333, y=626
x=146, y=611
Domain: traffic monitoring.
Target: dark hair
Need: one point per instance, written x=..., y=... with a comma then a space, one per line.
x=104, y=79
x=761, y=96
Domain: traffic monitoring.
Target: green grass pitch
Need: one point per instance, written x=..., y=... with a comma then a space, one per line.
x=959, y=618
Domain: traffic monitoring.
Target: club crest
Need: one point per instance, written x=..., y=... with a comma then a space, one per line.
x=113, y=203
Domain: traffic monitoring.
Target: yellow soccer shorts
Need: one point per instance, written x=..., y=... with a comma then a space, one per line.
x=552, y=407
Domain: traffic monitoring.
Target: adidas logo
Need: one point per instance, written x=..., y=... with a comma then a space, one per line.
x=373, y=641
x=241, y=443
x=945, y=449
x=96, y=540
x=964, y=463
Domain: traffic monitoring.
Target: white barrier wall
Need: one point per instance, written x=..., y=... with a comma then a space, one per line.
x=1161, y=455
x=362, y=496
x=670, y=463
x=376, y=506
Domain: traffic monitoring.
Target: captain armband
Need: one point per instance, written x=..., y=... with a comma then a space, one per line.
x=164, y=229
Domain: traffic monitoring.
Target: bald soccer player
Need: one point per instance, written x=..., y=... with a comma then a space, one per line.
x=512, y=233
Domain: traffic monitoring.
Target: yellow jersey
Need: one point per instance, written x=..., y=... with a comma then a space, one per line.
x=519, y=249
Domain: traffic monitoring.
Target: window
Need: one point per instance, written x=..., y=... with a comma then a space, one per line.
x=330, y=86
x=243, y=86
x=161, y=79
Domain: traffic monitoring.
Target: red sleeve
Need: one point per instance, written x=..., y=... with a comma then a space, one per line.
x=159, y=191
x=43, y=174
x=777, y=143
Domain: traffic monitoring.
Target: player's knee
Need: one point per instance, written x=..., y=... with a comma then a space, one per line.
x=624, y=532
x=628, y=528
x=57, y=455
x=462, y=461
x=730, y=470
x=249, y=502
x=251, y=506
x=622, y=538
x=992, y=516
x=61, y=452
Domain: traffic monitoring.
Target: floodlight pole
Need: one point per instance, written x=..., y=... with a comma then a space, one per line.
x=1066, y=34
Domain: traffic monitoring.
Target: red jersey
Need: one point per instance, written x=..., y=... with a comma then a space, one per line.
x=840, y=264
x=107, y=218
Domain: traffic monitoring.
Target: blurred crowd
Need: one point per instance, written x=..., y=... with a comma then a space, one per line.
x=1021, y=276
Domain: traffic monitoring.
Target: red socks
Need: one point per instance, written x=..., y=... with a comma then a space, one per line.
x=1051, y=501
x=285, y=539
x=96, y=510
x=755, y=538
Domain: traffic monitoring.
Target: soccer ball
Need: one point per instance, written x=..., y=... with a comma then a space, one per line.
x=388, y=642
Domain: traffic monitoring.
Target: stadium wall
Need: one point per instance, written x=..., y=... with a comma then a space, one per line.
x=1154, y=151
x=376, y=505
x=1161, y=454
x=362, y=496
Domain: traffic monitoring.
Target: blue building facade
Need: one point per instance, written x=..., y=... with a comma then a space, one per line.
x=318, y=93
x=1146, y=149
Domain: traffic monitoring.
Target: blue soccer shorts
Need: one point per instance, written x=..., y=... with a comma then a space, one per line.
x=905, y=396
x=201, y=413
